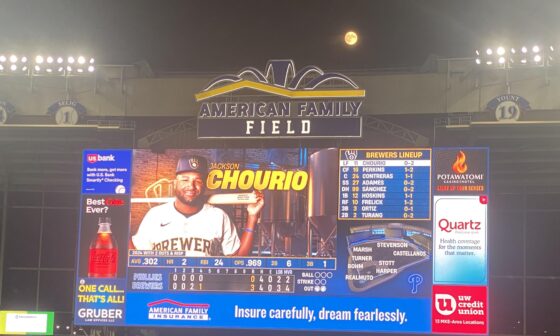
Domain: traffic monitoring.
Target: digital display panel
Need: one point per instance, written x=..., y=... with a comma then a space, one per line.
x=26, y=322
x=333, y=239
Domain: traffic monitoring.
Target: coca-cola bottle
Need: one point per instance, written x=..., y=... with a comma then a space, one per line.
x=103, y=252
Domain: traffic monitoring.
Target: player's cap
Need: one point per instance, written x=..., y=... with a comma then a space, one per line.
x=192, y=163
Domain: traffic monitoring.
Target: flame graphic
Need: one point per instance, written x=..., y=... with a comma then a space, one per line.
x=460, y=166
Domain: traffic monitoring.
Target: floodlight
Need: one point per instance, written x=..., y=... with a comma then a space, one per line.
x=50, y=59
x=537, y=58
x=37, y=68
x=59, y=60
x=500, y=51
x=536, y=49
x=477, y=61
x=81, y=60
x=502, y=60
x=39, y=59
x=488, y=51
x=13, y=58
x=512, y=50
x=488, y=62
x=2, y=58
x=71, y=60
x=24, y=59
x=90, y=68
x=524, y=49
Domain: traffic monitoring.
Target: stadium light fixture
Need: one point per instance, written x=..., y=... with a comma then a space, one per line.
x=46, y=64
x=537, y=58
x=504, y=56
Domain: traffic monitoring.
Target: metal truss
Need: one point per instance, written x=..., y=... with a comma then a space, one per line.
x=167, y=132
x=375, y=124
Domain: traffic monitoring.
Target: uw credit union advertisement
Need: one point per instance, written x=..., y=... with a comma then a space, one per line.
x=340, y=239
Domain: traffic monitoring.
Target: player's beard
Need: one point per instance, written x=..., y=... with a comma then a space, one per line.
x=196, y=201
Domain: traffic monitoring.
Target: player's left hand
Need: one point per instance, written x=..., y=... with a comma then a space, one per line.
x=255, y=208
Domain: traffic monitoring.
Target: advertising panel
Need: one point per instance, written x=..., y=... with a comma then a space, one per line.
x=270, y=238
x=26, y=323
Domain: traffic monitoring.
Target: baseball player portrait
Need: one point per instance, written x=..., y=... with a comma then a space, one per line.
x=190, y=224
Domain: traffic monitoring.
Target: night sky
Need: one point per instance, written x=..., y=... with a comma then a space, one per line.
x=210, y=35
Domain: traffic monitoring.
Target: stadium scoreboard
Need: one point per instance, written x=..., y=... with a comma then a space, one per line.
x=400, y=247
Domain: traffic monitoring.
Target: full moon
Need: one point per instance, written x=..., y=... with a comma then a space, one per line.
x=351, y=38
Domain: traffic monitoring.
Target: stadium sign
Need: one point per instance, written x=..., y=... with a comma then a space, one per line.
x=280, y=103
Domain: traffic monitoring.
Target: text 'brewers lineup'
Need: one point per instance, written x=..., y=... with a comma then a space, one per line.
x=345, y=240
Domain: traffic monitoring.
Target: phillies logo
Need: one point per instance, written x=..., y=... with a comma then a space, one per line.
x=445, y=304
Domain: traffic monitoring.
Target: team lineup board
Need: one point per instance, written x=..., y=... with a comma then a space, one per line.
x=385, y=184
x=401, y=249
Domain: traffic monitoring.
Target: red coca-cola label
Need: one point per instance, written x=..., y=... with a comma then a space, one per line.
x=102, y=262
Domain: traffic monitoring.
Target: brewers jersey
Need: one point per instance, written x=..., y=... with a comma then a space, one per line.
x=209, y=232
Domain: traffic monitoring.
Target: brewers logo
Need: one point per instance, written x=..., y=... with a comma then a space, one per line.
x=193, y=163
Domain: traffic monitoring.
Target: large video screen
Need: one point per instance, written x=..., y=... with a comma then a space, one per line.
x=333, y=239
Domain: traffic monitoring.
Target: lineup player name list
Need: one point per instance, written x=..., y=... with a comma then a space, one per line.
x=387, y=184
